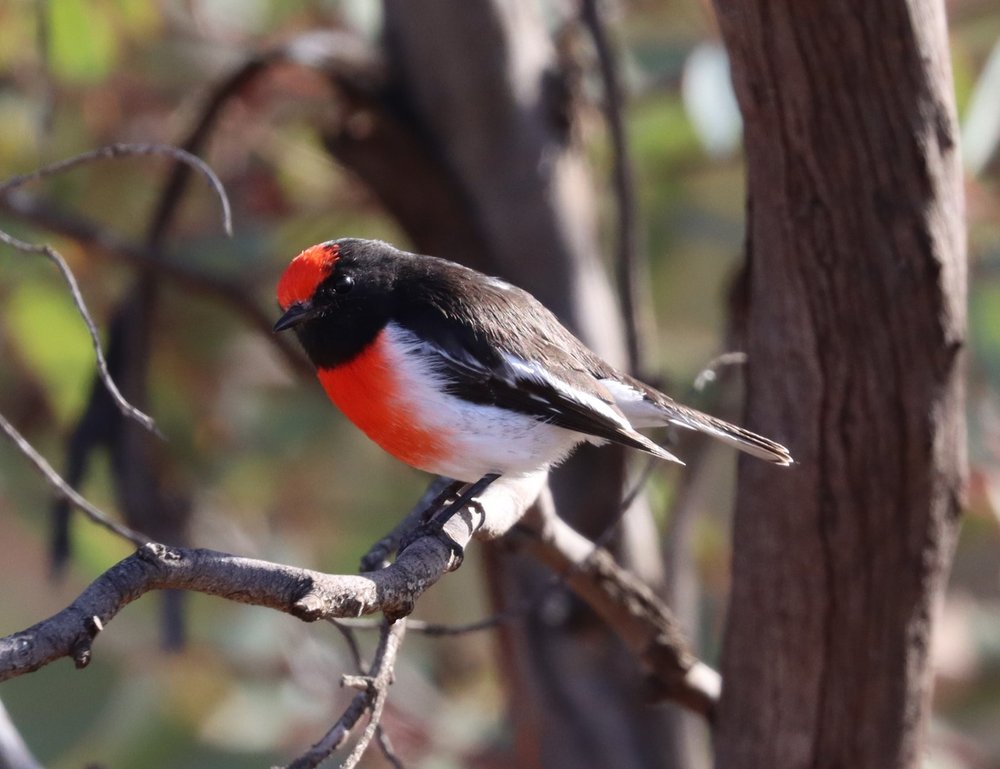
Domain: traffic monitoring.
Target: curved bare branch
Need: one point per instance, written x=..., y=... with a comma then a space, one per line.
x=112, y=151
x=66, y=491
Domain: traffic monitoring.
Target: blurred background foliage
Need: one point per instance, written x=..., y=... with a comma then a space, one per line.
x=276, y=472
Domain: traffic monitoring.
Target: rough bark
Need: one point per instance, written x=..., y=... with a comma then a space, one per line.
x=856, y=321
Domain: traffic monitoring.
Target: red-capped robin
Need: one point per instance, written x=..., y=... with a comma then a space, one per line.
x=464, y=375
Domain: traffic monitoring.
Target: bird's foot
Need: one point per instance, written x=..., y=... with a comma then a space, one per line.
x=435, y=528
x=434, y=524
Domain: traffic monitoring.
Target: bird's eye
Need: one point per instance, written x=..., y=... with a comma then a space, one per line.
x=343, y=284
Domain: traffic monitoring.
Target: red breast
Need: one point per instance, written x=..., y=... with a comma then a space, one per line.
x=369, y=392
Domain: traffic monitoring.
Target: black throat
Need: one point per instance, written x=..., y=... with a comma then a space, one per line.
x=337, y=338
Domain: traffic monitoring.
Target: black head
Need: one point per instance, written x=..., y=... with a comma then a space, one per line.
x=337, y=296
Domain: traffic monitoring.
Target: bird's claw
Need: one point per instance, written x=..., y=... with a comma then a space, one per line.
x=435, y=528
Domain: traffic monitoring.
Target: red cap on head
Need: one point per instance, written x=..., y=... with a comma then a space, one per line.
x=306, y=272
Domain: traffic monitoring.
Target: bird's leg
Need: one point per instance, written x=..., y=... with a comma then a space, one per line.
x=437, y=495
x=441, y=500
x=434, y=525
x=471, y=490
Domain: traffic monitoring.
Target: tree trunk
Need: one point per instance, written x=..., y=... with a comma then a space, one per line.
x=489, y=141
x=502, y=122
x=856, y=296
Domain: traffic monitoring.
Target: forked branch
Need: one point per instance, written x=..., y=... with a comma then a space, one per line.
x=112, y=151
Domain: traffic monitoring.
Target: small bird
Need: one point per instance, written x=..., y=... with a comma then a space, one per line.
x=465, y=375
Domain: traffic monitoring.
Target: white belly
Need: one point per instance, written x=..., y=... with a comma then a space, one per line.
x=493, y=440
x=486, y=439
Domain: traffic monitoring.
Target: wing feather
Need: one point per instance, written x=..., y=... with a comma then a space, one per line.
x=476, y=371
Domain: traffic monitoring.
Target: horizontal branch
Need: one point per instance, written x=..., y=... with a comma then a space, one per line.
x=629, y=606
x=306, y=594
x=309, y=595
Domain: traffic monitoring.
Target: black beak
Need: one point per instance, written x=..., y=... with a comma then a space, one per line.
x=294, y=315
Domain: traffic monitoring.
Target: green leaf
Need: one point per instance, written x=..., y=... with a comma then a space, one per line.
x=51, y=337
x=83, y=46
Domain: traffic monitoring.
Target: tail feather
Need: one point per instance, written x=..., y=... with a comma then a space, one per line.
x=650, y=447
x=744, y=440
x=645, y=407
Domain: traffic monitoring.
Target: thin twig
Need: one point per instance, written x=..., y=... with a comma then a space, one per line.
x=112, y=151
x=66, y=491
x=440, y=630
x=383, y=668
x=630, y=270
x=126, y=408
x=436, y=629
x=347, y=631
x=711, y=370
x=234, y=294
x=130, y=150
x=372, y=699
x=385, y=745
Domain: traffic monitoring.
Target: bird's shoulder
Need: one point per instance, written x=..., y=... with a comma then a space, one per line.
x=495, y=344
x=465, y=311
